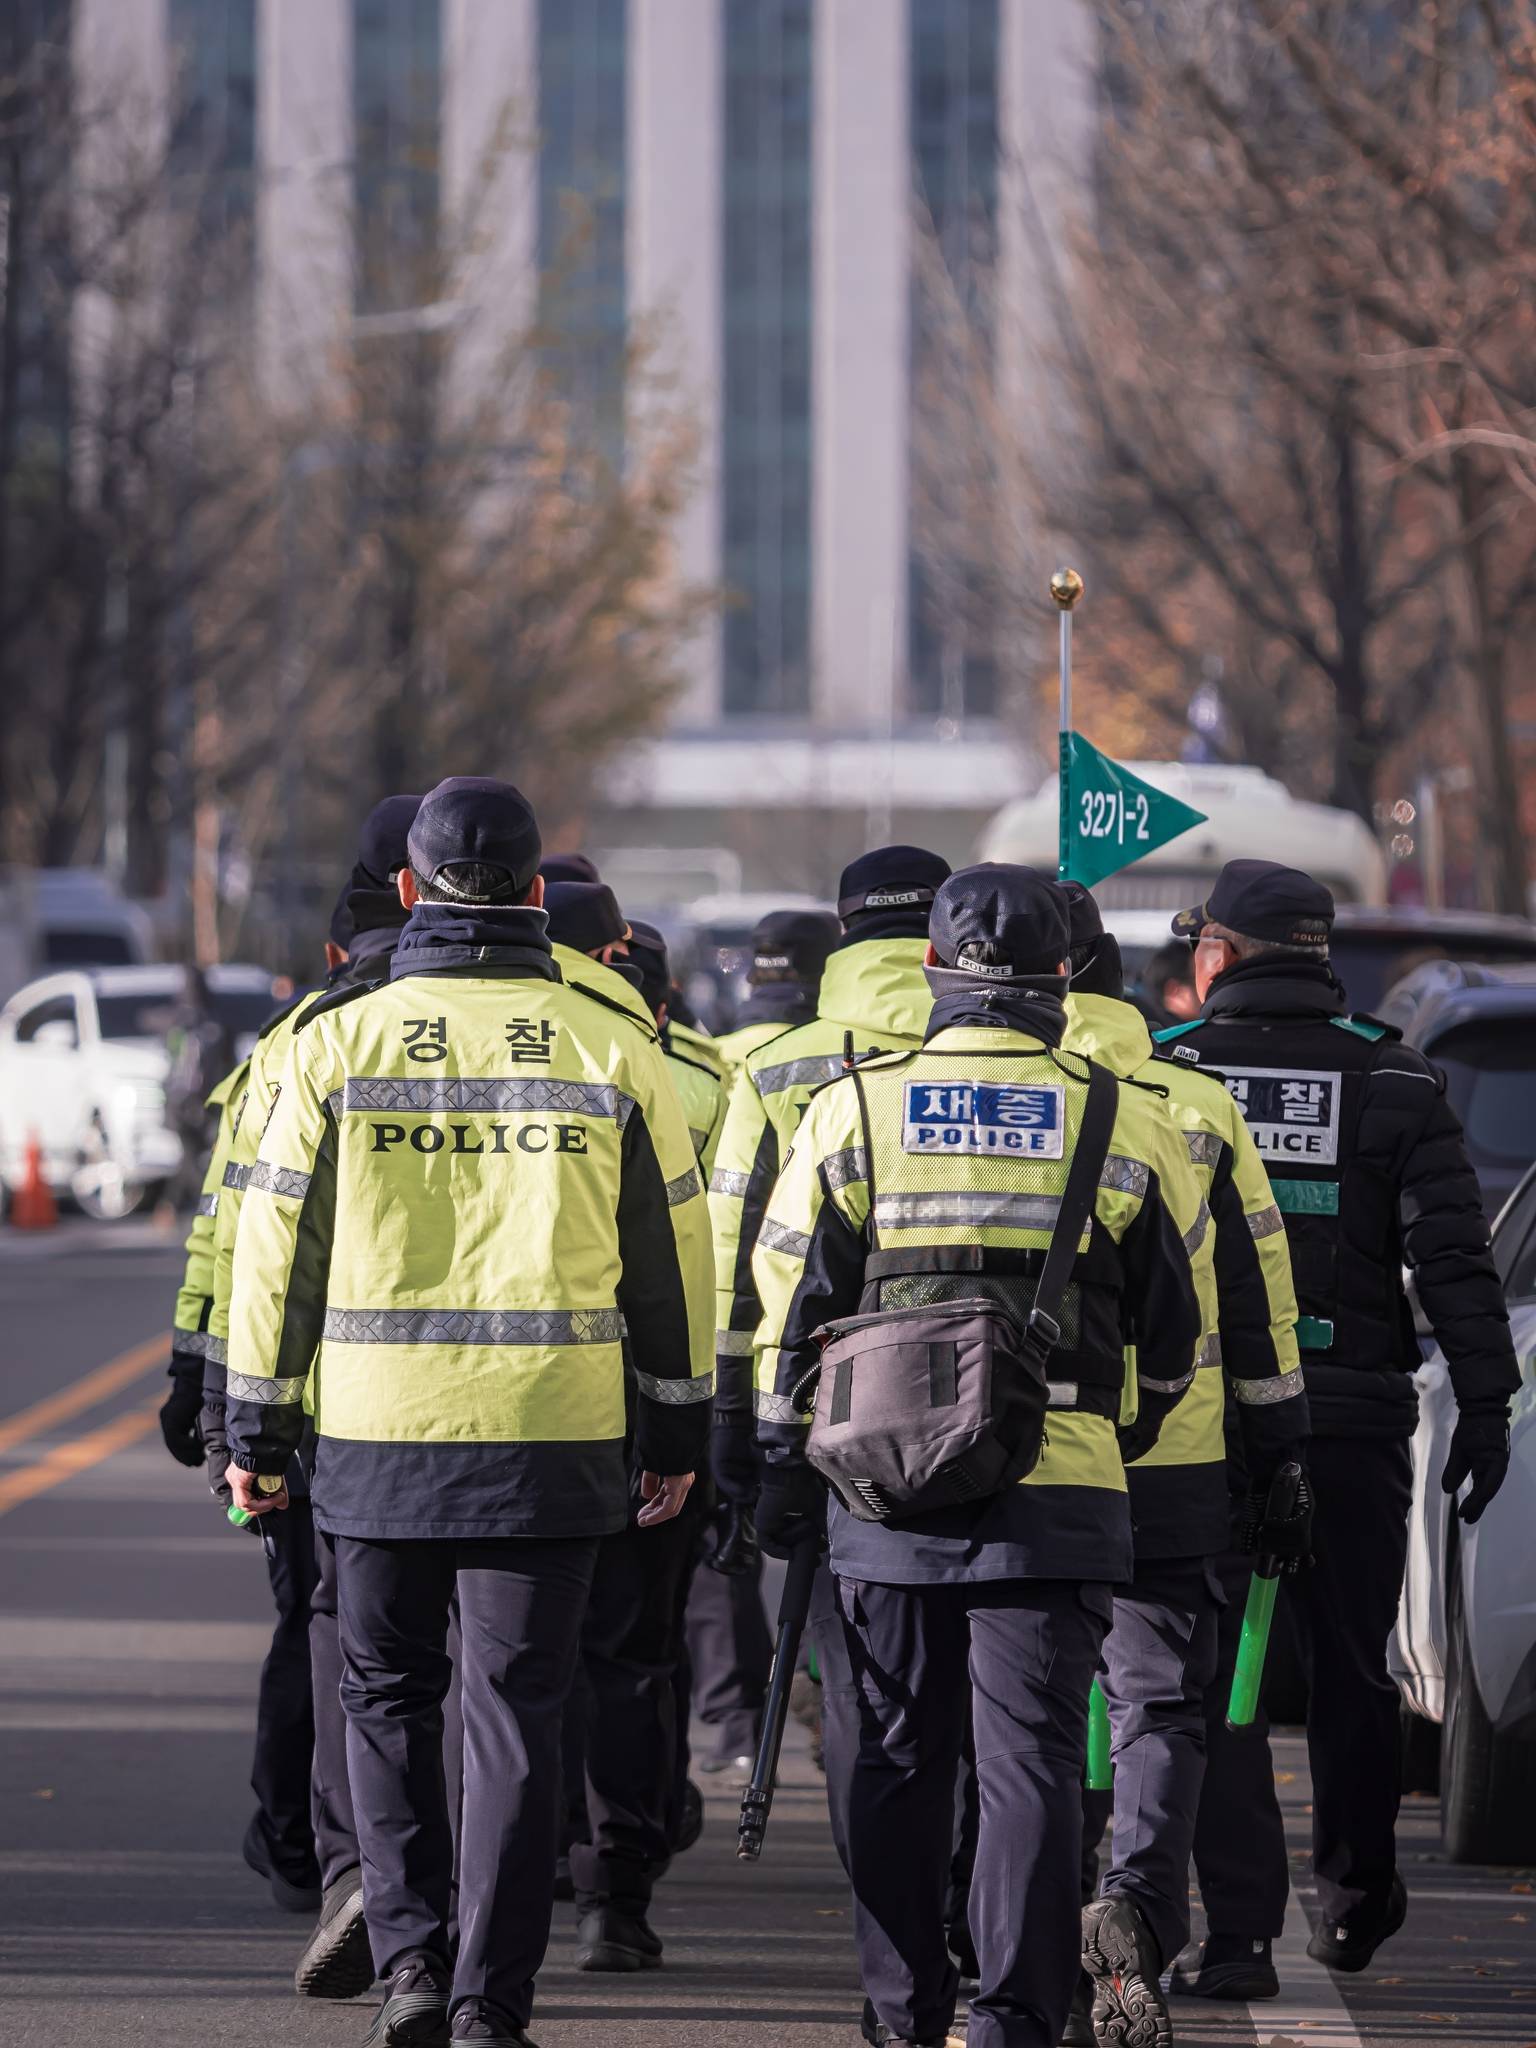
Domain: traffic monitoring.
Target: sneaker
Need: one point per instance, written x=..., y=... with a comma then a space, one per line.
x=1338, y=1946
x=293, y=1894
x=1121, y=1957
x=1231, y=1966
x=1078, y=2032
x=337, y=1962
x=415, y=2009
x=608, y=1940
x=474, y=2021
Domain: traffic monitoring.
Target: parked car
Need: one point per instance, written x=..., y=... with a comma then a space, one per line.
x=83, y=1065
x=1464, y=1650
x=1374, y=949
x=67, y=917
x=1477, y=1024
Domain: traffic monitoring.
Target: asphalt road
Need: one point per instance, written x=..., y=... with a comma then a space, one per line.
x=131, y=1627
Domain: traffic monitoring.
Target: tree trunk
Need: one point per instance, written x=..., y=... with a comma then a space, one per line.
x=1487, y=660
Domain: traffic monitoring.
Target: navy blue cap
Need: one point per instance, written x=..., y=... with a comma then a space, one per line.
x=584, y=916
x=899, y=878
x=382, y=844
x=476, y=818
x=648, y=955
x=1001, y=923
x=792, y=946
x=568, y=867
x=1260, y=899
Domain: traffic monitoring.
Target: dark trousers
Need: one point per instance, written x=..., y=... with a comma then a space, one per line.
x=1240, y=1854
x=1344, y=1608
x=1159, y=1664
x=1031, y=1647
x=730, y=1650
x=521, y=1603
x=330, y=1792
x=631, y=1641
x=285, y=1720
x=839, y=1703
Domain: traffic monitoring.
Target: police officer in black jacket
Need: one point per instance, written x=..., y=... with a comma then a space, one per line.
x=1370, y=1174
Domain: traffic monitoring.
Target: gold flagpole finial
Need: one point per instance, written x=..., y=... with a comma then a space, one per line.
x=1066, y=588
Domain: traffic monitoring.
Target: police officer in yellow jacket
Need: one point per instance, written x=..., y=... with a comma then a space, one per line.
x=1161, y=1655
x=475, y=1185
x=945, y=1185
x=790, y=949
x=873, y=989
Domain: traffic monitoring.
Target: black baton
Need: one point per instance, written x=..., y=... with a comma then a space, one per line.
x=795, y=1605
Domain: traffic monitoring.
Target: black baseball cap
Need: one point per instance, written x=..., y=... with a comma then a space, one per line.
x=383, y=847
x=1001, y=923
x=890, y=878
x=584, y=916
x=568, y=867
x=1260, y=899
x=475, y=818
x=792, y=946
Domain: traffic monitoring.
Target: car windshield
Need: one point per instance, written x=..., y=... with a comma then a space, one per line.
x=1370, y=962
x=78, y=948
x=151, y=1014
x=1490, y=1077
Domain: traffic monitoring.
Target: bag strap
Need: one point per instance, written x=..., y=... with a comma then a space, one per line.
x=851, y=1067
x=1043, y=1330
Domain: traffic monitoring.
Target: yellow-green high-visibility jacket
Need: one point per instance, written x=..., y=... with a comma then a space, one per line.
x=475, y=1183
x=972, y=1140
x=734, y=1047
x=194, y=1303
x=1180, y=1489
x=703, y=1096
x=581, y=971
x=875, y=989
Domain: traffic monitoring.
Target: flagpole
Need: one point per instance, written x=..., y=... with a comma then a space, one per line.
x=1066, y=589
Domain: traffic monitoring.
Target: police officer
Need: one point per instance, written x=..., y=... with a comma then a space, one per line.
x=1352, y=1125
x=870, y=1216
x=475, y=1183
x=790, y=949
x=630, y=1745
x=694, y=1061
x=1160, y=1657
x=365, y=926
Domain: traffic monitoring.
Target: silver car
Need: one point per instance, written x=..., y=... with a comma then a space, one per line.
x=1464, y=1651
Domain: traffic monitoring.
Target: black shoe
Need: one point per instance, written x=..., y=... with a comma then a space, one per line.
x=415, y=2009
x=473, y=2021
x=1230, y=1966
x=337, y=1962
x=690, y=1821
x=1078, y=2032
x=609, y=1940
x=298, y=1893
x=879, y=2035
x=1338, y=1946
x=1121, y=1957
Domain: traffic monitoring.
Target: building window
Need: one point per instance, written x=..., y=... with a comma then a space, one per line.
x=582, y=131
x=213, y=131
x=955, y=153
x=766, y=423
x=397, y=78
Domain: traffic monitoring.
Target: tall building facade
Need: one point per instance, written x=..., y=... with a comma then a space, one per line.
x=759, y=176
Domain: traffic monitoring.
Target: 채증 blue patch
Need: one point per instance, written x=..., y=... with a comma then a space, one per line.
x=980, y=1116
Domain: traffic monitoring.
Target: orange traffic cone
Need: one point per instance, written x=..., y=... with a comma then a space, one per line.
x=32, y=1205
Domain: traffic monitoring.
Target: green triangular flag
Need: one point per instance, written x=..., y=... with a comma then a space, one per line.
x=1110, y=817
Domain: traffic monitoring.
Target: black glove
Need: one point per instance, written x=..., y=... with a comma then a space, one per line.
x=733, y=1461
x=791, y=1508
x=1279, y=1528
x=1479, y=1452
x=737, y=1550
x=179, y=1412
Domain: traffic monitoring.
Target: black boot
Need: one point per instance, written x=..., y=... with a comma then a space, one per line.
x=1340, y=1946
x=415, y=2009
x=295, y=1891
x=337, y=1962
x=1121, y=1957
x=474, y=2020
x=1230, y=1966
x=608, y=1939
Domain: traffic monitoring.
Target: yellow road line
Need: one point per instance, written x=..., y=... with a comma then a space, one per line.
x=66, y=1460
x=85, y=1393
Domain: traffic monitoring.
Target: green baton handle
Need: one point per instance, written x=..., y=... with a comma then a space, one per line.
x=1243, y=1702
x=1100, y=1772
x=240, y=1517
